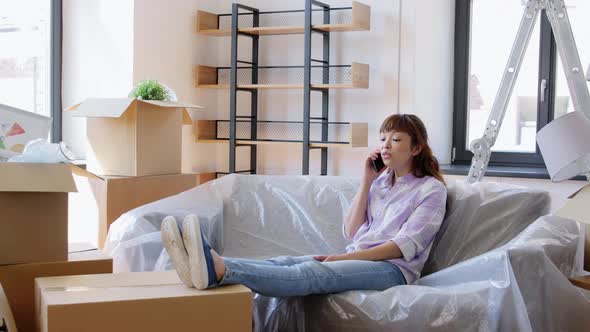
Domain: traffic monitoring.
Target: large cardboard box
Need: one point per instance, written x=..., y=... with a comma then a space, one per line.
x=6, y=320
x=131, y=137
x=19, y=281
x=34, y=212
x=577, y=208
x=109, y=197
x=145, y=301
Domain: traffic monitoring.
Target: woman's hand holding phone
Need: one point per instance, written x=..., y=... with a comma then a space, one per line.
x=371, y=172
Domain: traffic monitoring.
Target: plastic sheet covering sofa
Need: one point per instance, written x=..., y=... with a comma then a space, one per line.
x=498, y=263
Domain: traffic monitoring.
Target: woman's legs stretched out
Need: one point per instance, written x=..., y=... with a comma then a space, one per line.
x=312, y=277
x=279, y=276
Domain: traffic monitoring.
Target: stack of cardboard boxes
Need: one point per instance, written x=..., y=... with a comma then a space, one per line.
x=34, y=237
x=134, y=157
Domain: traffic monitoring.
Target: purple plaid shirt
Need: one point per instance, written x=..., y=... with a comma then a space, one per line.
x=408, y=213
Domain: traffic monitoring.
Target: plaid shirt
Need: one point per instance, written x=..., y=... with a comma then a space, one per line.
x=408, y=213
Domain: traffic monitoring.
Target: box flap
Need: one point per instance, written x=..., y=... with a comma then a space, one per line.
x=186, y=114
x=162, y=103
x=101, y=107
x=82, y=172
x=29, y=177
x=577, y=206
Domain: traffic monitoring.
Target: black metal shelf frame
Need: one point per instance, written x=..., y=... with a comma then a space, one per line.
x=307, y=83
x=234, y=85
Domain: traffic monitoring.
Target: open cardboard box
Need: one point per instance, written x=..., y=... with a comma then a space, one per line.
x=34, y=210
x=132, y=137
x=577, y=208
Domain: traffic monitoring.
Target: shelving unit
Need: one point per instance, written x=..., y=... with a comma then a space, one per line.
x=250, y=77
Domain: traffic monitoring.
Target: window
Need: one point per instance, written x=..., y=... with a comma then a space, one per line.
x=484, y=33
x=30, y=58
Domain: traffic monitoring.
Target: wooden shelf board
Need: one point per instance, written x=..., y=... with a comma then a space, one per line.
x=293, y=30
x=279, y=86
x=315, y=145
x=206, y=132
x=206, y=77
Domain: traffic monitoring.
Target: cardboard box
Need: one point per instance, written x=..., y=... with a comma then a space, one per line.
x=145, y=301
x=109, y=197
x=34, y=212
x=19, y=281
x=131, y=137
x=577, y=208
x=6, y=320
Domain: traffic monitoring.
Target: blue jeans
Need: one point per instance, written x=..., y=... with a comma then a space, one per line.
x=298, y=276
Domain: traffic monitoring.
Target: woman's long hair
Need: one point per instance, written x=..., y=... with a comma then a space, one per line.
x=425, y=162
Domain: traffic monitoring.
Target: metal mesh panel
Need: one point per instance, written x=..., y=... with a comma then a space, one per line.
x=287, y=75
x=285, y=131
x=281, y=19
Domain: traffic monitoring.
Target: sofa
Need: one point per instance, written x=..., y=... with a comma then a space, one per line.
x=499, y=261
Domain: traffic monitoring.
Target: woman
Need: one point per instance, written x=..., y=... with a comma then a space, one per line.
x=394, y=217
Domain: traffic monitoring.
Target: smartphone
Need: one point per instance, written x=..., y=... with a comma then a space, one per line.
x=378, y=163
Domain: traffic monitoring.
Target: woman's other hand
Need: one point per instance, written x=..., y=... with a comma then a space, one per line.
x=331, y=258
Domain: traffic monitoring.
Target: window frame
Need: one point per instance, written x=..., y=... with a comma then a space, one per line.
x=55, y=71
x=547, y=59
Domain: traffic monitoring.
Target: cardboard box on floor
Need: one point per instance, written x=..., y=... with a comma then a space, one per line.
x=131, y=137
x=109, y=197
x=6, y=320
x=19, y=280
x=577, y=208
x=145, y=301
x=34, y=212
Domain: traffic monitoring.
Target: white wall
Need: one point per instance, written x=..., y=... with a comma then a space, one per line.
x=434, y=31
x=409, y=49
x=167, y=48
x=97, y=62
x=97, y=57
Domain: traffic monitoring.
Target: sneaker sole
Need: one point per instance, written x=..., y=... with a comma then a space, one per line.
x=175, y=248
x=191, y=231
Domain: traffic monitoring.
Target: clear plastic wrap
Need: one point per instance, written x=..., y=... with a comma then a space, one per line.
x=493, y=267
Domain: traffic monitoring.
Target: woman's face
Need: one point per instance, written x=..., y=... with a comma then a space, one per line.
x=396, y=150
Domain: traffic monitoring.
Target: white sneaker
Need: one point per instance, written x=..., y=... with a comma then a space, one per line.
x=193, y=242
x=175, y=247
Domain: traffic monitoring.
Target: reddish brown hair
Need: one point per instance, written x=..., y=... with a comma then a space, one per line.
x=424, y=163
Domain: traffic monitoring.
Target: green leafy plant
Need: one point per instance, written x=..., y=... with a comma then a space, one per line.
x=150, y=90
